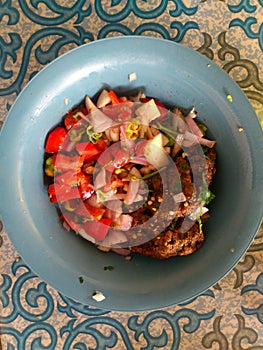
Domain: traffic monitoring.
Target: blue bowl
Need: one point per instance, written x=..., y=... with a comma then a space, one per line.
x=176, y=75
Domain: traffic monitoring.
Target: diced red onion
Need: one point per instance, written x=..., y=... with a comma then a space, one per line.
x=120, y=196
x=147, y=112
x=103, y=99
x=124, y=222
x=179, y=197
x=154, y=152
x=93, y=201
x=135, y=172
x=206, y=142
x=193, y=126
x=70, y=146
x=196, y=213
x=179, y=124
x=97, y=118
x=114, y=237
x=139, y=160
x=190, y=139
x=100, y=179
x=114, y=209
x=121, y=251
x=132, y=192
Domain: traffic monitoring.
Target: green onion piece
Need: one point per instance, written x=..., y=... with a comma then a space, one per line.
x=148, y=176
x=108, y=268
x=184, y=166
x=165, y=129
x=171, y=141
x=68, y=207
x=173, y=224
x=77, y=116
x=200, y=224
x=202, y=127
x=93, y=136
x=205, y=196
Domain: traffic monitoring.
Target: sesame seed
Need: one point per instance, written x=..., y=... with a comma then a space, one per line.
x=150, y=202
x=240, y=129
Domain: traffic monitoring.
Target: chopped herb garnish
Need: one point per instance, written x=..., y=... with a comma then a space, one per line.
x=205, y=195
x=202, y=127
x=184, y=166
x=173, y=224
x=81, y=279
x=108, y=268
x=205, y=149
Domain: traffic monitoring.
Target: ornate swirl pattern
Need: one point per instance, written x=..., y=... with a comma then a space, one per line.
x=58, y=14
x=34, y=315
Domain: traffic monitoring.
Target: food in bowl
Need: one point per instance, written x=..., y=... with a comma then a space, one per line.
x=132, y=175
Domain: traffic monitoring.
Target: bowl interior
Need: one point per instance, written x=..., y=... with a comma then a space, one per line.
x=176, y=75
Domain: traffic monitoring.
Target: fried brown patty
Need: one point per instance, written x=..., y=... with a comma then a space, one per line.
x=173, y=241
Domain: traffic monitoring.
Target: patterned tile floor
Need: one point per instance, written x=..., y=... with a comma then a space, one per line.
x=34, y=315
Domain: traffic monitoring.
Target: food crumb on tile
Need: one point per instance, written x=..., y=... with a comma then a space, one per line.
x=98, y=296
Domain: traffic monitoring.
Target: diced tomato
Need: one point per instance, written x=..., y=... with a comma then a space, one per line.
x=69, y=178
x=86, y=190
x=101, y=144
x=72, y=118
x=113, y=185
x=122, y=110
x=61, y=192
x=121, y=158
x=114, y=98
x=106, y=157
x=87, y=149
x=125, y=115
x=86, y=210
x=63, y=162
x=98, y=229
x=139, y=149
x=55, y=139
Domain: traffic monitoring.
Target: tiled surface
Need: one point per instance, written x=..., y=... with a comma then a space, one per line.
x=34, y=315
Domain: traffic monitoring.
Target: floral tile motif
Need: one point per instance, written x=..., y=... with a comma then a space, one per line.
x=35, y=316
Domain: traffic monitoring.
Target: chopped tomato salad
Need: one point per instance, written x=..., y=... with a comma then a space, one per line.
x=105, y=158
